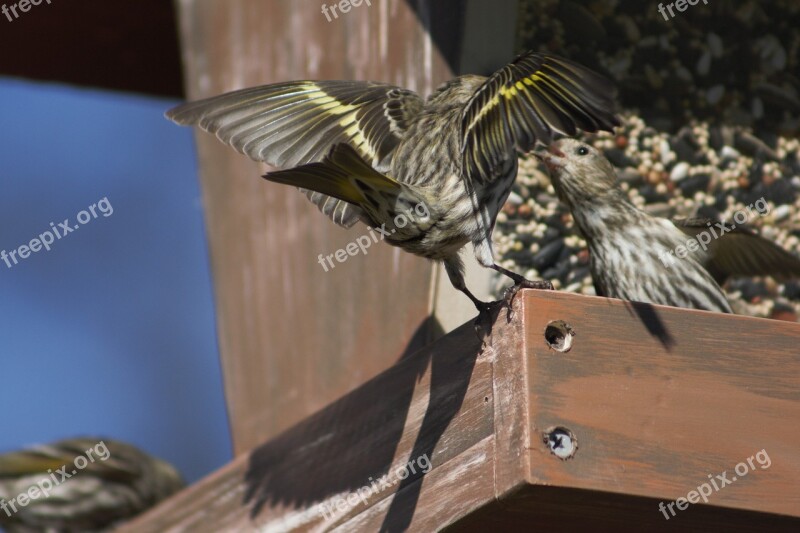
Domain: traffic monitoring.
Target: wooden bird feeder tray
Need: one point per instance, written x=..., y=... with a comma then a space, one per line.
x=585, y=413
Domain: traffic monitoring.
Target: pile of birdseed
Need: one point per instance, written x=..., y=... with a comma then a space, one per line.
x=733, y=62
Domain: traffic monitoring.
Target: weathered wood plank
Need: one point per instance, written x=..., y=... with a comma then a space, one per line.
x=511, y=415
x=656, y=413
x=463, y=485
x=646, y=412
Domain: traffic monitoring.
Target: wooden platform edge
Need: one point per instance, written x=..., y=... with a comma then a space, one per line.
x=639, y=388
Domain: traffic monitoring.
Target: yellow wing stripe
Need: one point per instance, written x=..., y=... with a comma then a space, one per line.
x=328, y=102
x=331, y=105
x=356, y=134
x=484, y=110
x=508, y=93
x=335, y=107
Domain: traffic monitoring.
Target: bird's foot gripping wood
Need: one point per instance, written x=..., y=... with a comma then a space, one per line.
x=511, y=293
x=520, y=282
x=488, y=311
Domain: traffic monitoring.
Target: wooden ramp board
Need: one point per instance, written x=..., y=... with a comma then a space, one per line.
x=658, y=399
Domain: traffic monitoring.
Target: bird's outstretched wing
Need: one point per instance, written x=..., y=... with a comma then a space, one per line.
x=530, y=100
x=741, y=252
x=295, y=123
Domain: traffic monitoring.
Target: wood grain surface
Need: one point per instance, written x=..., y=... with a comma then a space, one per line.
x=657, y=398
x=656, y=412
x=436, y=405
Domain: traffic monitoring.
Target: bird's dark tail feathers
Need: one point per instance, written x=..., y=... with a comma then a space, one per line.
x=342, y=174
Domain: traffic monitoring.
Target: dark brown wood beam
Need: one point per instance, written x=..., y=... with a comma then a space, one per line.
x=125, y=45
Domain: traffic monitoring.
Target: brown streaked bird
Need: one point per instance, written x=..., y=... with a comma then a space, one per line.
x=369, y=152
x=110, y=483
x=631, y=252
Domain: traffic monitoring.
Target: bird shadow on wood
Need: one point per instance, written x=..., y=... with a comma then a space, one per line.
x=339, y=449
x=451, y=370
x=655, y=326
x=354, y=441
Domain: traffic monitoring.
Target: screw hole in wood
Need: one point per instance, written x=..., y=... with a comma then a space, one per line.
x=558, y=335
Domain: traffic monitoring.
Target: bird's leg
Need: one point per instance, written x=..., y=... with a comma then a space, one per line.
x=520, y=282
x=483, y=324
x=480, y=305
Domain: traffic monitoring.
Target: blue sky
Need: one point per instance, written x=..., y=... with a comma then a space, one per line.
x=112, y=331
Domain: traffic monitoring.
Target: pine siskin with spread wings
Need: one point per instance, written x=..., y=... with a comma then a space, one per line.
x=369, y=152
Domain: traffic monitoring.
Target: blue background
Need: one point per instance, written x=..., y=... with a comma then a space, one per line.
x=111, y=332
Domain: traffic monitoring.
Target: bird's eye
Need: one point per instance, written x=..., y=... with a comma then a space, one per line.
x=582, y=150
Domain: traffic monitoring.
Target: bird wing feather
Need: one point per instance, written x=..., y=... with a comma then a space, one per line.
x=742, y=252
x=530, y=99
x=296, y=123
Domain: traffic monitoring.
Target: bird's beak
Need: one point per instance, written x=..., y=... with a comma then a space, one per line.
x=552, y=158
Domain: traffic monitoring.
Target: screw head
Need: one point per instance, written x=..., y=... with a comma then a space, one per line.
x=561, y=442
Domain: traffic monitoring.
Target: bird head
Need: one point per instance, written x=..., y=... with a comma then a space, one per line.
x=579, y=171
